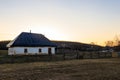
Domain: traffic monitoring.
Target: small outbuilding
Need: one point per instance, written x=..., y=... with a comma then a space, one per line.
x=31, y=44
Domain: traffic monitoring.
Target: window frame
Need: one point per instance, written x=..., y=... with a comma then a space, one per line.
x=40, y=50
x=25, y=50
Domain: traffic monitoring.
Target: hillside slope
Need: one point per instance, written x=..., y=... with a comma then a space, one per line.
x=63, y=45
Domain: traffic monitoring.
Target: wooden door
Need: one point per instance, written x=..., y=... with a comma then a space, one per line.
x=49, y=51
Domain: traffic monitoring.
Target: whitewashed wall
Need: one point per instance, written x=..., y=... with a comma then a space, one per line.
x=31, y=50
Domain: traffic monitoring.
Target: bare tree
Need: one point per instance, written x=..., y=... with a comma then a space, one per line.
x=109, y=43
x=117, y=40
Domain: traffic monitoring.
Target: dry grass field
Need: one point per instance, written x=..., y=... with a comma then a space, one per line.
x=86, y=69
x=3, y=52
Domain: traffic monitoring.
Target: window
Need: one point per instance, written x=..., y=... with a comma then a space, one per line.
x=25, y=50
x=39, y=50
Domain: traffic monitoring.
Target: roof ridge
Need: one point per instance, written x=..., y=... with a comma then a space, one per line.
x=32, y=33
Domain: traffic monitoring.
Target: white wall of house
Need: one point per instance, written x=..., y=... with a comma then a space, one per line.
x=30, y=50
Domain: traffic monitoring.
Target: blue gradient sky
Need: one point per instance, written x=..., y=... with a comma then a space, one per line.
x=71, y=20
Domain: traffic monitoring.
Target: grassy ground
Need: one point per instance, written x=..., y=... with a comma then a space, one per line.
x=86, y=69
x=3, y=52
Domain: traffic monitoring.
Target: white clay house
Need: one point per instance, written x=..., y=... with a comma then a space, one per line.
x=30, y=44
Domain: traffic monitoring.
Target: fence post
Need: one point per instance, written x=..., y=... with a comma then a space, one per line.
x=98, y=54
x=80, y=55
x=63, y=56
x=83, y=53
x=105, y=54
x=91, y=55
x=111, y=54
x=77, y=55
x=12, y=58
x=50, y=57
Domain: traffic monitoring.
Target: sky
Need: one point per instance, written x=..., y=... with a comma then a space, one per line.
x=83, y=21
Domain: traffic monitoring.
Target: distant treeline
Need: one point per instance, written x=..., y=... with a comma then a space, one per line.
x=70, y=45
x=3, y=45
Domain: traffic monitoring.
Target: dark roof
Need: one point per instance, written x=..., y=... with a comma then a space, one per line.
x=31, y=40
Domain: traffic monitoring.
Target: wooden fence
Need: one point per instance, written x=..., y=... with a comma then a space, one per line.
x=87, y=55
x=56, y=57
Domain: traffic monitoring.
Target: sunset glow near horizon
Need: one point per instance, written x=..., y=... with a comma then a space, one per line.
x=68, y=20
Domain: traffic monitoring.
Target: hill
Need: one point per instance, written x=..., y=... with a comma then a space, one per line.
x=64, y=45
x=3, y=45
x=77, y=46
